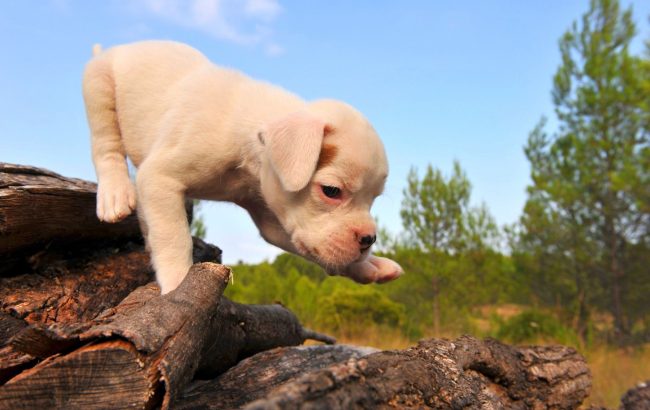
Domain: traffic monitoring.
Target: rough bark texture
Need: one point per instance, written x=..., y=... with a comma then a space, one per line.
x=253, y=378
x=637, y=398
x=462, y=374
x=39, y=207
x=62, y=289
x=71, y=285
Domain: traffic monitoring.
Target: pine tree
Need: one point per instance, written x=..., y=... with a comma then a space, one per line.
x=441, y=225
x=588, y=205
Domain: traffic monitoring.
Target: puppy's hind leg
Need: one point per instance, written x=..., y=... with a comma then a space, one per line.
x=115, y=193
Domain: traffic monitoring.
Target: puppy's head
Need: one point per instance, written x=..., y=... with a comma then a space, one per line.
x=322, y=169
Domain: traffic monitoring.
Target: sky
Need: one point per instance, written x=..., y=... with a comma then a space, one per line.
x=440, y=80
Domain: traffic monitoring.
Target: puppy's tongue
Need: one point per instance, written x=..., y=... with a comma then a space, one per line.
x=389, y=278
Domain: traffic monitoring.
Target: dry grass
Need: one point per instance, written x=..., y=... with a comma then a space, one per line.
x=615, y=371
x=375, y=336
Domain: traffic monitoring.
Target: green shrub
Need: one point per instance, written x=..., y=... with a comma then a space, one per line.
x=534, y=326
x=354, y=308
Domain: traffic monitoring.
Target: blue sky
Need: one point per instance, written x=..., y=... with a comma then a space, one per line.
x=440, y=80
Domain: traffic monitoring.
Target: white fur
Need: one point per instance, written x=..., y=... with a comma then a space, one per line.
x=198, y=130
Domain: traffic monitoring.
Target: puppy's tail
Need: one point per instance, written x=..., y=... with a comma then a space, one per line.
x=97, y=49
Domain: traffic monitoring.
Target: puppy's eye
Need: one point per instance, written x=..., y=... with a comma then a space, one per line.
x=331, y=191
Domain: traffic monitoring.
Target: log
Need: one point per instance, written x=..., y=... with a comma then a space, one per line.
x=253, y=378
x=155, y=343
x=637, y=398
x=58, y=306
x=11, y=360
x=465, y=373
x=75, y=284
x=58, y=289
x=39, y=207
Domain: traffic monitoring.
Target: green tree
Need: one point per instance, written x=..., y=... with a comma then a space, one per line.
x=433, y=208
x=588, y=203
x=441, y=225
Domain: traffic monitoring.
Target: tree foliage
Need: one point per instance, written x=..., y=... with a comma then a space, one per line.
x=586, y=222
x=455, y=237
x=434, y=207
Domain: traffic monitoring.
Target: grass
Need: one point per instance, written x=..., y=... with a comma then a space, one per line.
x=376, y=336
x=615, y=371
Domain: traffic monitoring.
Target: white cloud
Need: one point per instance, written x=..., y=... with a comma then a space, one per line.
x=274, y=50
x=245, y=22
x=264, y=9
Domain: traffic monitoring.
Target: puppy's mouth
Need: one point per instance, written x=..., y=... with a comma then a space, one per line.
x=307, y=252
x=330, y=266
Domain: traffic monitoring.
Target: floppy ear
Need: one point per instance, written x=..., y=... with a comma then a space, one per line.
x=293, y=145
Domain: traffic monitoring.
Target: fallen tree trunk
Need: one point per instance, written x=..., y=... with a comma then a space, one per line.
x=464, y=373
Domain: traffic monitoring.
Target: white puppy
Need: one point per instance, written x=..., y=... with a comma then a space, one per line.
x=306, y=172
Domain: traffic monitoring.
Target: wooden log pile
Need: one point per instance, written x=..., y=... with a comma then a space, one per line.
x=82, y=325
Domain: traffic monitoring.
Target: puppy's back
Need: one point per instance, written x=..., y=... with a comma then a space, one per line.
x=145, y=77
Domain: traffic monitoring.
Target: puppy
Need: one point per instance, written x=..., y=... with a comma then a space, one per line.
x=307, y=173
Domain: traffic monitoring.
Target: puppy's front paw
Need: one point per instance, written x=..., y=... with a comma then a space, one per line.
x=374, y=269
x=115, y=199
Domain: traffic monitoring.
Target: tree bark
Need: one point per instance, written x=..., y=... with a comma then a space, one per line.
x=74, y=284
x=637, y=398
x=465, y=373
x=11, y=361
x=40, y=207
x=255, y=377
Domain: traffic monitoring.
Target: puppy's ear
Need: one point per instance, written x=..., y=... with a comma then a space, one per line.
x=293, y=145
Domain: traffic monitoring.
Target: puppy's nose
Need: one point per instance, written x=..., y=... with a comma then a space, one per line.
x=367, y=240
